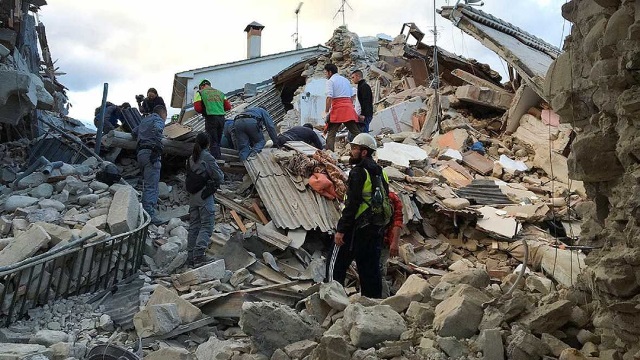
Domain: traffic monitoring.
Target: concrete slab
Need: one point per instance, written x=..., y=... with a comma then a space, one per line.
x=397, y=117
x=124, y=211
x=24, y=246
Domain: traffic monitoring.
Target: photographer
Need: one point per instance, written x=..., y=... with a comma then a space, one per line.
x=203, y=179
x=146, y=105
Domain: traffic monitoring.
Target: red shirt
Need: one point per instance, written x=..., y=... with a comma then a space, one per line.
x=397, y=218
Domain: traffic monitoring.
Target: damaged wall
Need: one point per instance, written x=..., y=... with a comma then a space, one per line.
x=595, y=85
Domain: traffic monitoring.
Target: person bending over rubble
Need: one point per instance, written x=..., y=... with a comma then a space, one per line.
x=149, y=148
x=112, y=114
x=339, y=106
x=357, y=237
x=146, y=105
x=247, y=131
x=300, y=133
x=203, y=179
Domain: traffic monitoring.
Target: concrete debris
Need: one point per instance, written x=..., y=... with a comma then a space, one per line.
x=488, y=183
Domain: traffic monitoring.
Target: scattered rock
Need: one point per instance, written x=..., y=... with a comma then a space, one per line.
x=334, y=294
x=19, y=201
x=368, y=326
x=156, y=319
x=42, y=191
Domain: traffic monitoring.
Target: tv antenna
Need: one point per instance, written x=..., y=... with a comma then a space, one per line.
x=341, y=10
x=295, y=35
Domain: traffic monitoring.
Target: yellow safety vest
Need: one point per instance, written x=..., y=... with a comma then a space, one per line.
x=366, y=193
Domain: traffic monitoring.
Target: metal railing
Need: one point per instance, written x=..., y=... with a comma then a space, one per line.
x=76, y=268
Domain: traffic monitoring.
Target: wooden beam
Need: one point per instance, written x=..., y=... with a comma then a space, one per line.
x=208, y=299
x=232, y=205
x=238, y=220
x=258, y=211
x=179, y=330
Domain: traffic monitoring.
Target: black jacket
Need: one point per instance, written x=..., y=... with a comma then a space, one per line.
x=357, y=177
x=365, y=98
x=148, y=104
x=300, y=133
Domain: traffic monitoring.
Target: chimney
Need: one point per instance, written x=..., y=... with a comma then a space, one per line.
x=254, y=32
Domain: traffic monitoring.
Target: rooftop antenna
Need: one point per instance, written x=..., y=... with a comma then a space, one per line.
x=341, y=10
x=295, y=35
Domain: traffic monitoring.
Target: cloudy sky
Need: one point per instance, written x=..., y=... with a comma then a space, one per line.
x=135, y=44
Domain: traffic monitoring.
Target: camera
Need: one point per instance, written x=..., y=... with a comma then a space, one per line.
x=139, y=98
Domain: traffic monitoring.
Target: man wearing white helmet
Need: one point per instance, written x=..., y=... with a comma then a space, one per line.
x=356, y=237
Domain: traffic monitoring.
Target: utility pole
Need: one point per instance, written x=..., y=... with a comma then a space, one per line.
x=436, y=71
x=296, y=35
x=341, y=10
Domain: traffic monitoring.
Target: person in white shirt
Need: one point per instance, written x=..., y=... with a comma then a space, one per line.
x=339, y=106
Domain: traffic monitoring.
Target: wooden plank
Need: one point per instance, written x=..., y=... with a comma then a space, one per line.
x=232, y=205
x=477, y=162
x=474, y=80
x=238, y=220
x=208, y=299
x=176, y=130
x=258, y=211
x=419, y=71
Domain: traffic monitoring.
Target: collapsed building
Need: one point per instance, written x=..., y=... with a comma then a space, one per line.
x=517, y=199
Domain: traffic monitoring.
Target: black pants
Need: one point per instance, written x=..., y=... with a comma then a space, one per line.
x=362, y=245
x=213, y=125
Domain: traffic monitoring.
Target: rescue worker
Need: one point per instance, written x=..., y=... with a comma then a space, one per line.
x=323, y=141
x=112, y=114
x=300, y=133
x=247, y=131
x=149, y=148
x=338, y=106
x=227, y=138
x=365, y=99
x=355, y=237
x=204, y=168
x=146, y=105
x=213, y=104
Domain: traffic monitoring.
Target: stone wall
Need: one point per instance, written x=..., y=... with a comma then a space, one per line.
x=595, y=85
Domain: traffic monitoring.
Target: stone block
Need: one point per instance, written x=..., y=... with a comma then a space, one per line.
x=334, y=295
x=416, y=288
x=48, y=215
x=89, y=229
x=50, y=203
x=188, y=312
x=556, y=346
x=477, y=278
x=156, y=320
x=399, y=303
x=420, y=313
x=538, y=283
x=215, y=348
x=23, y=351
x=99, y=222
x=49, y=337
x=456, y=203
x=124, y=211
x=166, y=253
x=484, y=96
x=170, y=353
x=84, y=200
x=273, y=326
x=453, y=347
x=460, y=314
x=332, y=347
x=24, y=245
x=40, y=191
x=57, y=233
x=548, y=318
x=211, y=271
x=368, y=326
x=19, y=201
x=490, y=342
x=300, y=349
x=524, y=346
x=5, y=225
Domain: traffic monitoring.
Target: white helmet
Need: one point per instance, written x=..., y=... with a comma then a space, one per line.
x=366, y=140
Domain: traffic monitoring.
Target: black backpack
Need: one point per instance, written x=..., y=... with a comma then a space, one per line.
x=194, y=182
x=380, y=209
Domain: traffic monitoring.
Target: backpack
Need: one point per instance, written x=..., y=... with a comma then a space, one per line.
x=380, y=209
x=194, y=182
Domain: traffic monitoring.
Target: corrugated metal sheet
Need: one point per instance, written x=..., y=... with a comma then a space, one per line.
x=55, y=148
x=132, y=117
x=483, y=192
x=270, y=100
x=288, y=207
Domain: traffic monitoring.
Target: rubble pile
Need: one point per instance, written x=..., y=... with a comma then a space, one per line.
x=493, y=253
x=594, y=86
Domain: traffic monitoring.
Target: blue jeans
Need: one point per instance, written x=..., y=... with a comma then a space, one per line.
x=150, y=177
x=201, y=220
x=248, y=137
x=364, y=127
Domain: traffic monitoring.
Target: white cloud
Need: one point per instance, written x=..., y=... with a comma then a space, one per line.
x=134, y=44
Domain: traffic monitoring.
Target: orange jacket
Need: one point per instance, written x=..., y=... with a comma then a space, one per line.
x=397, y=218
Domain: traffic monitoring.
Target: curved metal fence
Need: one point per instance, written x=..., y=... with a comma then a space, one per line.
x=79, y=267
